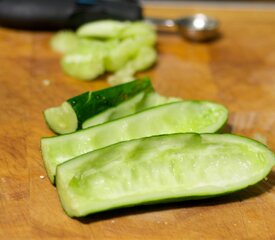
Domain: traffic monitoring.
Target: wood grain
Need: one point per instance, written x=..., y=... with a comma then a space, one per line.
x=237, y=70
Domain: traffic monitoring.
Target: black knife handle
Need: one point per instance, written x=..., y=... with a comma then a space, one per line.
x=35, y=14
x=58, y=14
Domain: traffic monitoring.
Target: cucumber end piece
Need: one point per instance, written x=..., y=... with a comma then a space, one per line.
x=61, y=119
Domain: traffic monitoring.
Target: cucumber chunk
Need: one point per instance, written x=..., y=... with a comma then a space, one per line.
x=102, y=29
x=144, y=59
x=160, y=168
x=86, y=61
x=63, y=117
x=83, y=65
x=64, y=41
x=141, y=31
x=90, y=104
x=187, y=116
x=121, y=54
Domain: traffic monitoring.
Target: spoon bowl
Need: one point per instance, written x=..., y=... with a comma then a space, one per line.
x=198, y=27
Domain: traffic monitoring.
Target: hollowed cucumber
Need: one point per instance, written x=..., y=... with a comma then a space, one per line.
x=139, y=102
x=160, y=168
x=187, y=116
x=69, y=116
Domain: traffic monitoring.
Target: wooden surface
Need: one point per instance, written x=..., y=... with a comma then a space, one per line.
x=237, y=70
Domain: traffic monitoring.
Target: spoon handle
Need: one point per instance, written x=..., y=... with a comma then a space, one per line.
x=161, y=22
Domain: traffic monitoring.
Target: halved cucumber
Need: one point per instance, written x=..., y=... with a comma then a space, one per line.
x=141, y=101
x=160, y=168
x=187, y=116
x=82, y=107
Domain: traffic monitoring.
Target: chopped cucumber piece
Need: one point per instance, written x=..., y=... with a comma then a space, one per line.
x=83, y=66
x=123, y=75
x=64, y=41
x=102, y=29
x=161, y=169
x=144, y=59
x=141, y=31
x=111, y=44
x=120, y=55
x=86, y=62
x=61, y=119
x=188, y=116
x=93, y=46
x=141, y=101
x=90, y=104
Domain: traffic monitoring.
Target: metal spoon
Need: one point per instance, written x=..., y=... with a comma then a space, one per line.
x=198, y=27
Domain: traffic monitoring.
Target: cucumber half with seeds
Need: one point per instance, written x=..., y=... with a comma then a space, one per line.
x=160, y=168
x=186, y=116
x=69, y=116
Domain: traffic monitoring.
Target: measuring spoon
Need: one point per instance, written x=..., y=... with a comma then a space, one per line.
x=198, y=27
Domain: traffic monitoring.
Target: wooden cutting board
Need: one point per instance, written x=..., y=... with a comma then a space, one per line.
x=237, y=70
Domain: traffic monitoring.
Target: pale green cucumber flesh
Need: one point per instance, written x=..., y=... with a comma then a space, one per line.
x=160, y=168
x=141, y=101
x=102, y=29
x=145, y=58
x=83, y=66
x=64, y=41
x=187, y=116
x=61, y=119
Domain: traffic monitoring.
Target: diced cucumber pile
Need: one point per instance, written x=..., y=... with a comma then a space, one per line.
x=122, y=48
x=127, y=145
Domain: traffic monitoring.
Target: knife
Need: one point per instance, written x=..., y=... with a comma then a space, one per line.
x=60, y=14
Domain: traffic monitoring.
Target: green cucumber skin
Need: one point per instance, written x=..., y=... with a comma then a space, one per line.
x=163, y=168
x=91, y=103
x=186, y=116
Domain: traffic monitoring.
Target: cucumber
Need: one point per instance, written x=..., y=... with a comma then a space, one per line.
x=86, y=61
x=142, y=31
x=102, y=29
x=86, y=105
x=61, y=119
x=160, y=169
x=144, y=59
x=141, y=101
x=187, y=116
x=64, y=41
x=83, y=65
x=106, y=45
x=121, y=54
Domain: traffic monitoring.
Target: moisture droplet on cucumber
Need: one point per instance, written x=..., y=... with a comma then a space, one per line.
x=187, y=116
x=160, y=168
